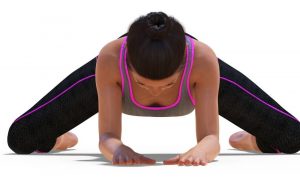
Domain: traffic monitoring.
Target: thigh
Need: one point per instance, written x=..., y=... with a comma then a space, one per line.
x=67, y=105
x=245, y=104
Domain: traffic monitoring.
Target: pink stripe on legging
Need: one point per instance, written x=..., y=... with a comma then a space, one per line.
x=288, y=115
x=228, y=80
x=257, y=98
x=54, y=98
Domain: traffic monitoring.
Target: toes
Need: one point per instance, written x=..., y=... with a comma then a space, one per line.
x=236, y=138
x=242, y=140
x=72, y=138
x=67, y=140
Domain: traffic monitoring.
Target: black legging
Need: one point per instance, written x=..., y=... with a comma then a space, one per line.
x=75, y=99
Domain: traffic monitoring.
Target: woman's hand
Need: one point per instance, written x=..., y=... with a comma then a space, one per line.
x=194, y=157
x=124, y=155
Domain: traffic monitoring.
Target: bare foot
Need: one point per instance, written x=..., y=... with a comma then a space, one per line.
x=244, y=141
x=67, y=140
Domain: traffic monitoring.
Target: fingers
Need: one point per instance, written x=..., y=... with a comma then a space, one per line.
x=172, y=160
x=125, y=160
x=131, y=160
x=188, y=161
x=140, y=159
x=201, y=162
x=137, y=160
x=128, y=160
x=185, y=161
x=146, y=160
x=194, y=162
x=191, y=163
x=115, y=160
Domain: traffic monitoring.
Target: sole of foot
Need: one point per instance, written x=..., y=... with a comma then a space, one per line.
x=244, y=141
x=67, y=140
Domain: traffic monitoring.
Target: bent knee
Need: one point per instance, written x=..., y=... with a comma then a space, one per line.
x=290, y=149
x=20, y=139
x=291, y=141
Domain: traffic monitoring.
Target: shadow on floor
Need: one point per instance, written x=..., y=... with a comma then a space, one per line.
x=98, y=157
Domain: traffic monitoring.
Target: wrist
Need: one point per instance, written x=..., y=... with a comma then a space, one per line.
x=210, y=145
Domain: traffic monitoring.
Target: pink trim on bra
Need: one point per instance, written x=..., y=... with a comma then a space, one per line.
x=188, y=78
x=156, y=108
x=120, y=65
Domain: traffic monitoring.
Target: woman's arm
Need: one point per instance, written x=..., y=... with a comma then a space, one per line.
x=210, y=146
x=206, y=110
x=109, y=102
x=108, y=145
x=110, y=112
x=206, y=93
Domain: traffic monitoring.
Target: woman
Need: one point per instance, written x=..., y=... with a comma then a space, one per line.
x=157, y=70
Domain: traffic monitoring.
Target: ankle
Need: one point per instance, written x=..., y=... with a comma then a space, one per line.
x=254, y=144
x=58, y=143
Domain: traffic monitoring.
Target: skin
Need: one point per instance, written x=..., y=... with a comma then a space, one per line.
x=158, y=92
x=67, y=140
x=156, y=87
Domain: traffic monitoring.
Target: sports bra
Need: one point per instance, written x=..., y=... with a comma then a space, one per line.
x=184, y=104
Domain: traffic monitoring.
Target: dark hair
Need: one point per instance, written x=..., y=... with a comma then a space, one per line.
x=155, y=45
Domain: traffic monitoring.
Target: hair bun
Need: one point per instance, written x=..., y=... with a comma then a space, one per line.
x=158, y=25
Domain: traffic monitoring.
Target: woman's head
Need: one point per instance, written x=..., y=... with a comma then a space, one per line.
x=156, y=46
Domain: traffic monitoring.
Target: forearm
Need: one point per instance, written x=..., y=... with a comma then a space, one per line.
x=108, y=143
x=210, y=144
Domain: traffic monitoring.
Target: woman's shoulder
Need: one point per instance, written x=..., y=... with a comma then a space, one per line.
x=202, y=54
x=112, y=48
x=111, y=52
x=205, y=61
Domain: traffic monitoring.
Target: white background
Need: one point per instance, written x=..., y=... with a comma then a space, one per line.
x=41, y=42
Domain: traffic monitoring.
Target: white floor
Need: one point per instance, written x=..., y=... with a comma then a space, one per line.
x=87, y=170
x=83, y=166
x=44, y=41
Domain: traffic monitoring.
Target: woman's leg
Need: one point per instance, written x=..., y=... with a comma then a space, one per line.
x=67, y=105
x=245, y=104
